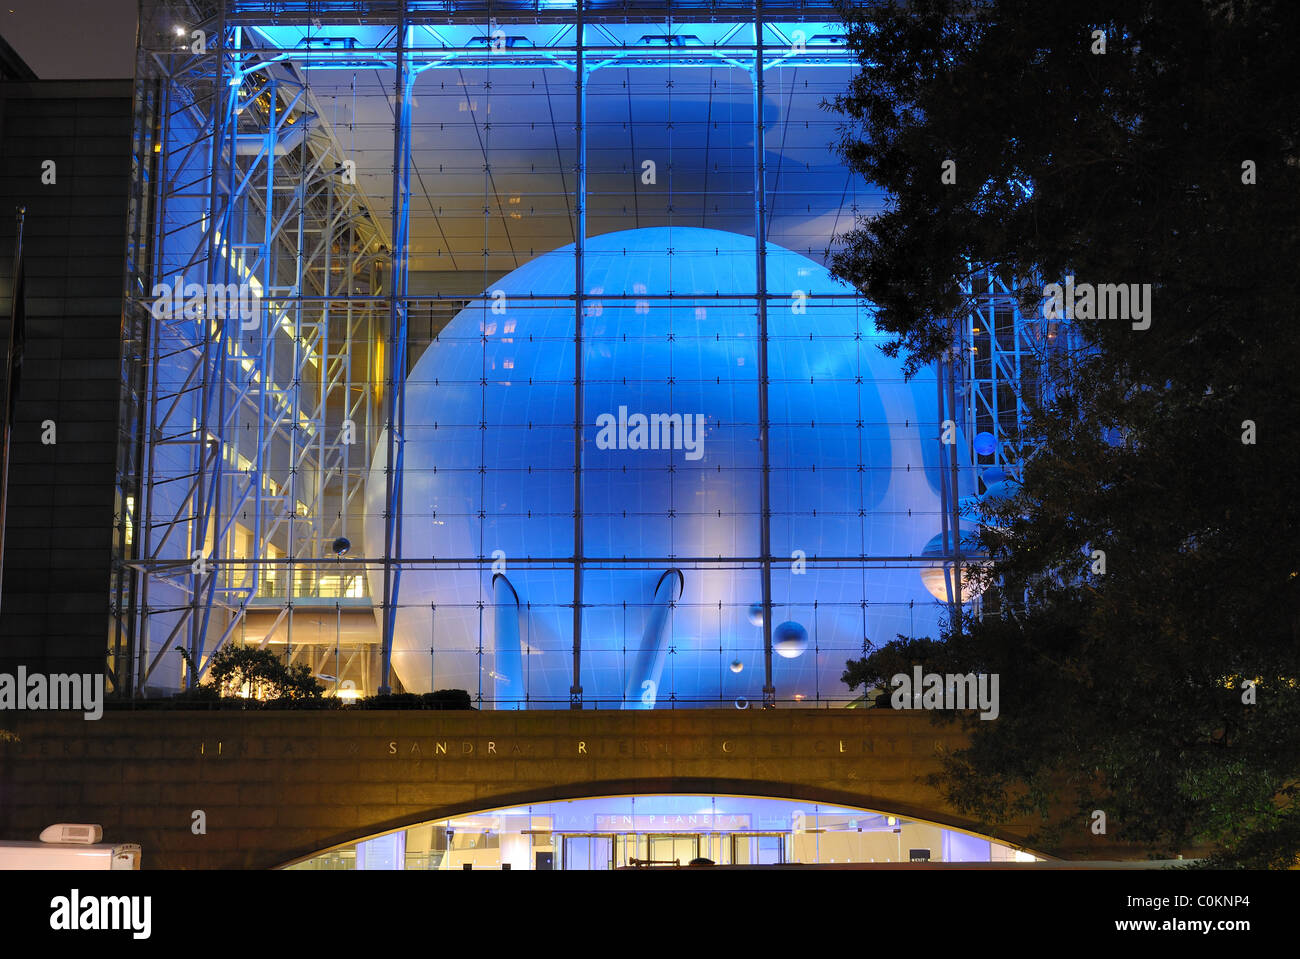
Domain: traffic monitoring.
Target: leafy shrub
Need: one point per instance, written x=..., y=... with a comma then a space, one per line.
x=257, y=673
x=441, y=699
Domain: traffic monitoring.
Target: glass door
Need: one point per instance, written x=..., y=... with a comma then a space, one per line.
x=587, y=852
x=753, y=849
x=673, y=849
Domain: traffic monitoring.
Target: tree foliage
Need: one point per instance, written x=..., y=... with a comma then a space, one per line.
x=874, y=672
x=258, y=673
x=1123, y=690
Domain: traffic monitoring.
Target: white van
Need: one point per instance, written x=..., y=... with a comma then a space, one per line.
x=69, y=846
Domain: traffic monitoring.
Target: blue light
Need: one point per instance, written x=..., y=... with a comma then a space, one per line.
x=489, y=466
x=359, y=46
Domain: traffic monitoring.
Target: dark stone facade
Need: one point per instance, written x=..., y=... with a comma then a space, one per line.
x=54, y=613
x=278, y=786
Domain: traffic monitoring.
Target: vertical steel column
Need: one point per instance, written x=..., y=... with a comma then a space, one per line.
x=971, y=407
x=156, y=229
x=130, y=476
x=397, y=356
x=760, y=241
x=1017, y=331
x=295, y=364
x=580, y=234
x=989, y=317
x=149, y=417
x=263, y=526
x=946, y=496
x=205, y=514
x=954, y=499
x=219, y=258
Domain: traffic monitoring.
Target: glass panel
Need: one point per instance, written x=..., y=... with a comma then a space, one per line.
x=653, y=831
x=588, y=852
x=412, y=234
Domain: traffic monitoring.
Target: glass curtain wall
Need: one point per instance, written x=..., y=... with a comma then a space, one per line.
x=658, y=832
x=527, y=376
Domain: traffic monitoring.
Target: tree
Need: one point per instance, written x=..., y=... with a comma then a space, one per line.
x=1164, y=689
x=874, y=672
x=258, y=673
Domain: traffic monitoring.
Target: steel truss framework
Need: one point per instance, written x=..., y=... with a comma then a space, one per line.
x=241, y=447
x=237, y=183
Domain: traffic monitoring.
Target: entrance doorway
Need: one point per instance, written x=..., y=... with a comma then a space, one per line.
x=675, y=848
x=753, y=849
x=661, y=831
x=587, y=852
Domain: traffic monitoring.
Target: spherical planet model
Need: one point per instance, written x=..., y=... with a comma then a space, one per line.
x=670, y=481
x=789, y=640
x=937, y=578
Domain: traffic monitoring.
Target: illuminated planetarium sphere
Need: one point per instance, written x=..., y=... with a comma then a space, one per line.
x=756, y=614
x=488, y=466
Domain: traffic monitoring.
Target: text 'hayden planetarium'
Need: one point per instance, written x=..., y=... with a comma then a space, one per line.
x=495, y=348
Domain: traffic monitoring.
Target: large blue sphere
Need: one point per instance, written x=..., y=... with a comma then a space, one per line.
x=489, y=465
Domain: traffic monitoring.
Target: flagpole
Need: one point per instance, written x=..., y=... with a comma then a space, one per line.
x=14, y=307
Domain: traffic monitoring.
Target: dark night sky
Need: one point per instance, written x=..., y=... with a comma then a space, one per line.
x=72, y=39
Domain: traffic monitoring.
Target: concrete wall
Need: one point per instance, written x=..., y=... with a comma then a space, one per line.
x=278, y=786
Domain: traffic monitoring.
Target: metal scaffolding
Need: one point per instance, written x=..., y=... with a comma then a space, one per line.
x=246, y=424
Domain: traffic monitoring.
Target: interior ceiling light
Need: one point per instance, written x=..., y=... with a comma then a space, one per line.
x=670, y=40
x=484, y=41
x=328, y=43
